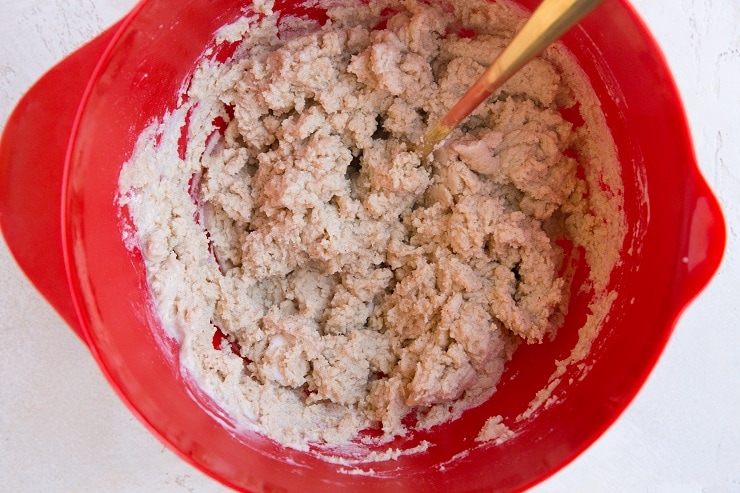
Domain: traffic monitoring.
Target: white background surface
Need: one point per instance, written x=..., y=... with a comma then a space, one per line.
x=62, y=429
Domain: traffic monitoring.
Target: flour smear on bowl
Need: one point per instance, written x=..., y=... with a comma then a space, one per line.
x=319, y=276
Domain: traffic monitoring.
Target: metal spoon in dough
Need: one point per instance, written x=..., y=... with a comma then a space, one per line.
x=548, y=22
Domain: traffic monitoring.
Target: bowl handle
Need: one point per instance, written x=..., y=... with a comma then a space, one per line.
x=32, y=155
x=707, y=239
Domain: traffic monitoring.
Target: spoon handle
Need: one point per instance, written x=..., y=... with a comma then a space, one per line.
x=548, y=22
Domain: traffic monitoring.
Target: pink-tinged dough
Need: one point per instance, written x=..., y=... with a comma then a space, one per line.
x=358, y=282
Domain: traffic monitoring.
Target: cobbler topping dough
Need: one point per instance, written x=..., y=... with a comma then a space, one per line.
x=349, y=282
x=494, y=430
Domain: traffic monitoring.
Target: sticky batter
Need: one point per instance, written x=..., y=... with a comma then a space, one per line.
x=350, y=283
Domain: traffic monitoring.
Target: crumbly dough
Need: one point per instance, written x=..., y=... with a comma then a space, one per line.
x=494, y=430
x=350, y=283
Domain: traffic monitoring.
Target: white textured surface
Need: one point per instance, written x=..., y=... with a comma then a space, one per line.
x=63, y=429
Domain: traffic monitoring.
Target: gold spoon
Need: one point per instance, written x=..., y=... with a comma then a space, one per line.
x=548, y=22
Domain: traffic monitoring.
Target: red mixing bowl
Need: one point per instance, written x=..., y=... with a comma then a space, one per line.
x=60, y=218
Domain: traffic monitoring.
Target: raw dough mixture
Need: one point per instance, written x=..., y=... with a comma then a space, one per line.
x=349, y=283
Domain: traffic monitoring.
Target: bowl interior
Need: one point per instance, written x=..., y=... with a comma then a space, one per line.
x=674, y=243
